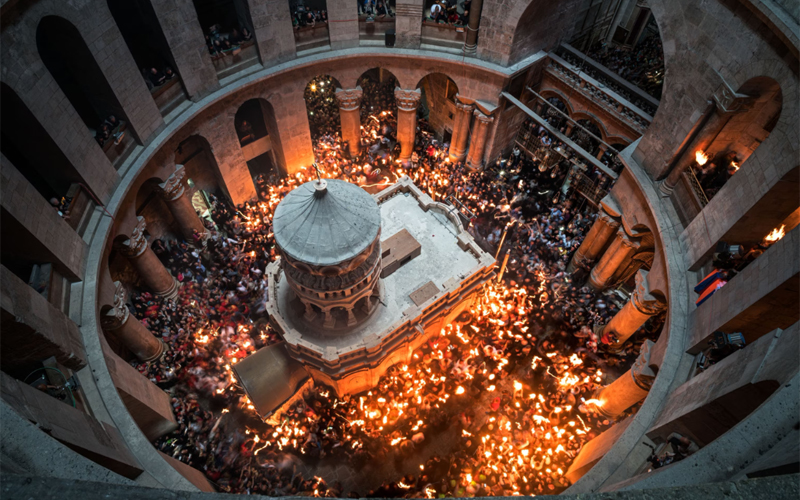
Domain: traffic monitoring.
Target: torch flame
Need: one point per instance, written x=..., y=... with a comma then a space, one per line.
x=776, y=234
x=701, y=158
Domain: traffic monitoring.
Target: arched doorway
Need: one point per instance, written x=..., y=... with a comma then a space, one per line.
x=321, y=106
x=437, y=105
x=66, y=56
x=259, y=138
x=141, y=30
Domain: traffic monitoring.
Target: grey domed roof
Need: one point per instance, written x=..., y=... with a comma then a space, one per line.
x=329, y=227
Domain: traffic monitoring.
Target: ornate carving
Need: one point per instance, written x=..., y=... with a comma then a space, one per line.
x=484, y=119
x=333, y=283
x=349, y=99
x=118, y=314
x=137, y=243
x=641, y=298
x=463, y=107
x=608, y=220
x=641, y=372
x=626, y=241
x=728, y=101
x=173, y=187
x=407, y=100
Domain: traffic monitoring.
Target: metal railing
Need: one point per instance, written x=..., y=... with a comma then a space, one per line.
x=696, y=187
x=609, y=101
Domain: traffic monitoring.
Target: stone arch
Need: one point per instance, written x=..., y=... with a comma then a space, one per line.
x=202, y=168
x=150, y=205
x=558, y=95
x=29, y=147
x=378, y=86
x=438, y=102
x=264, y=154
x=594, y=120
x=119, y=268
x=142, y=33
x=67, y=57
x=321, y=106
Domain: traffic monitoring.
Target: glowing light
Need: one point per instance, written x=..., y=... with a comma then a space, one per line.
x=701, y=158
x=776, y=234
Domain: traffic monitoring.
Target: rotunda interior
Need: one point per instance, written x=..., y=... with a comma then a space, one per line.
x=395, y=248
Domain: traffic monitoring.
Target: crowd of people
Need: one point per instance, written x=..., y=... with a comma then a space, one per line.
x=450, y=12
x=303, y=15
x=377, y=8
x=642, y=65
x=220, y=43
x=508, y=389
x=111, y=129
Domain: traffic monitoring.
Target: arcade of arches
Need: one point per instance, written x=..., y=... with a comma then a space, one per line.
x=625, y=179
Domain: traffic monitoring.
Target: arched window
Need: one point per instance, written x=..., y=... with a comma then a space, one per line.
x=69, y=60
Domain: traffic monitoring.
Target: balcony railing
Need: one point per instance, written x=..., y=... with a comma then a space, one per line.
x=607, y=99
x=607, y=78
x=696, y=187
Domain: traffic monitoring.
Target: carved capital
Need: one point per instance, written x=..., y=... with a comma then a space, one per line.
x=407, y=100
x=349, y=99
x=728, y=101
x=483, y=119
x=641, y=372
x=119, y=313
x=626, y=241
x=173, y=187
x=463, y=107
x=608, y=220
x=641, y=298
x=137, y=243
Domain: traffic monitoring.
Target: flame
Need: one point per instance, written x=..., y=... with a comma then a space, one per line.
x=701, y=158
x=735, y=166
x=776, y=234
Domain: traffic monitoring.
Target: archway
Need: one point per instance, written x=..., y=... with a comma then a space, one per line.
x=150, y=205
x=219, y=18
x=259, y=137
x=378, y=85
x=28, y=146
x=554, y=110
x=321, y=106
x=438, y=103
x=66, y=56
x=583, y=139
x=202, y=171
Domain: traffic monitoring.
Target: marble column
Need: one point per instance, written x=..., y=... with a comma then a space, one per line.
x=461, y=123
x=477, y=140
x=173, y=192
x=630, y=388
x=407, y=103
x=118, y=322
x=473, y=25
x=350, y=115
x=641, y=306
x=725, y=103
x=618, y=252
x=602, y=230
x=146, y=263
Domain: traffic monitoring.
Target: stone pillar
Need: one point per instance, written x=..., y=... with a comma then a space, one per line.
x=407, y=103
x=272, y=30
x=350, y=116
x=601, y=151
x=184, y=35
x=477, y=140
x=461, y=123
x=630, y=388
x=568, y=130
x=144, y=260
x=173, y=191
x=408, y=23
x=130, y=331
x=726, y=102
x=604, y=226
x=342, y=24
x=474, y=23
x=618, y=252
x=641, y=306
x=537, y=107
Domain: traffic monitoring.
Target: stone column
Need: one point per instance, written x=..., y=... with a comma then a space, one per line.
x=350, y=115
x=726, y=102
x=407, y=103
x=477, y=140
x=603, y=228
x=147, y=265
x=408, y=23
x=173, y=191
x=474, y=23
x=618, y=252
x=641, y=306
x=630, y=388
x=568, y=130
x=130, y=331
x=601, y=151
x=272, y=30
x=461, y=123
